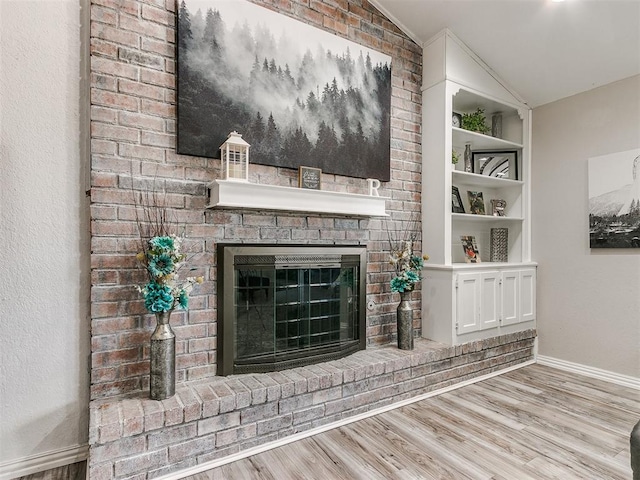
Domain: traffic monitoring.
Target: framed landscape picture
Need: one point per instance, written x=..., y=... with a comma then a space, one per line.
x=299, y=95
x=614, y=200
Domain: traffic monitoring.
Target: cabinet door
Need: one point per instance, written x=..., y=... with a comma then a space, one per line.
x=510, y=297
x=527, y=294
x=490, y=300
x=468, y=302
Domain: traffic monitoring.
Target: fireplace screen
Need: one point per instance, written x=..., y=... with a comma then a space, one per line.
x=285, y=306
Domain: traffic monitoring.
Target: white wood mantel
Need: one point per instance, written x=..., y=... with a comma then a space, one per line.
x=234, y=194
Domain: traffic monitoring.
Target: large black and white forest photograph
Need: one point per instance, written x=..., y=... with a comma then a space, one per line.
x=298, y=95
x=614, y=200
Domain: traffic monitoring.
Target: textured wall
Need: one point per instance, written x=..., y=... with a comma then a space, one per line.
x=133, y=119
x=588, y=300
x=44, y=308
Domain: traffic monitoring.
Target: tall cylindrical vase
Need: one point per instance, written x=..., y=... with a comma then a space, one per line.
x=468, y=166
x=405, y=322
x=163, y=359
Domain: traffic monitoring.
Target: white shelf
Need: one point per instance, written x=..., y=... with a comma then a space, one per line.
x=479, y=266
x=234, y=194
x=480, y=141
x=473, y=179
x=468, y=217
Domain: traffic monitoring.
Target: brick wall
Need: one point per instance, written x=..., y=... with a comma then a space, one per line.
x=133, y=124
x=206, y=421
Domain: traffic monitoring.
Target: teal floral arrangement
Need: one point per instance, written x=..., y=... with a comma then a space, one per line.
x=407, y=264
x=165, y=291
x=408, y=267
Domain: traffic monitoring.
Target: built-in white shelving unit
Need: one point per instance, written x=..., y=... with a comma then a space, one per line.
x=467, y=301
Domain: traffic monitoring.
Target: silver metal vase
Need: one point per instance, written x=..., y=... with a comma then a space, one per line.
x=163, y=359
x=405, y=322
x=468, y=166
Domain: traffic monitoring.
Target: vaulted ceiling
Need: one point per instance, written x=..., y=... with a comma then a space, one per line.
x=544, y=50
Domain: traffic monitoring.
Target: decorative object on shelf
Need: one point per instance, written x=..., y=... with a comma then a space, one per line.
x=455, y=157
x=498, y=207
x=468, y=164
x=456, y=201
x=471, y=253
x=160, y=254
x=309, y=177
x=496, y=125
x=404, y=314
x=408, y=271
x=456, y=120
x=502, y=164
x=475, y=122
x=234, y=155
x=374, y=185
x=499, y=250
x=476, y=202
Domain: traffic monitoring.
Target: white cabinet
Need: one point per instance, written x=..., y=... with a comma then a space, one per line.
x=477, y=301
x=486, y=298
x=493, y=299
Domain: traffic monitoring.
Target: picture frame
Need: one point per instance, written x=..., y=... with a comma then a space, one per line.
x=476, y=203
x=456, y=200
x=470, y=247
x=497, y=164
x=309, y=177
x=498, y=207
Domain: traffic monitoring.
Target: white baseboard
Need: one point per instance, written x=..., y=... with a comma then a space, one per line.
x=314, y=431
x=43, y=461
x=617, y=378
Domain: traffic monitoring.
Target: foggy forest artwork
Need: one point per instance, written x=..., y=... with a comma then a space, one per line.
x=614, y=200
x=297, y=94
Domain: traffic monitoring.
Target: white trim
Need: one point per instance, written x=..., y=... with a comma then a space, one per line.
x=606, y=375
x=233, y=194
x=43, y=461
x=308, y=433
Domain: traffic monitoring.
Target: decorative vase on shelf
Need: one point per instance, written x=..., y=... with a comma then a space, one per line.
x=405, y=322
x=163, y=359
x=467, y=158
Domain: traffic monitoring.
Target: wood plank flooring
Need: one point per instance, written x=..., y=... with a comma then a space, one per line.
x=533, y=423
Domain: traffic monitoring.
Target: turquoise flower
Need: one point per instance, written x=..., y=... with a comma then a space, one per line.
x=163, y=243
x=412, y=277
x=183, y=300
x=399, y=284
x=157, y=297
x=162, y=260
x=160, y=265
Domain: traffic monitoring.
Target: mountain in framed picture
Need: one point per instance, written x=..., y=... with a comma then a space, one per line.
x=298, y=94
x=614, y=200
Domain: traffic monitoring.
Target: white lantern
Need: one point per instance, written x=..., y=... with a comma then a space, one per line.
x=234, y=153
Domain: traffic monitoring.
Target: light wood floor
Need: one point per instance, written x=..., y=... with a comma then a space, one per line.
x=532, y=423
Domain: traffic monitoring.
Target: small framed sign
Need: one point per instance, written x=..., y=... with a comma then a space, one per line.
x=309, y=177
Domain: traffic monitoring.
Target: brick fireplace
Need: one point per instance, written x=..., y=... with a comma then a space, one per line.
x=133, y=150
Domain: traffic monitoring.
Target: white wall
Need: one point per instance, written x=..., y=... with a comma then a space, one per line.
x=588, y=300
x=44, y=286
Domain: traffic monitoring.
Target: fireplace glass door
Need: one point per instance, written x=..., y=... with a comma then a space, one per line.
x=292, y=309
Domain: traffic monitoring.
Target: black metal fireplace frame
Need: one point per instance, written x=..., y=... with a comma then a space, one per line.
x=226, y=354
